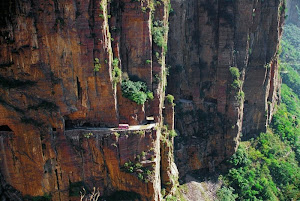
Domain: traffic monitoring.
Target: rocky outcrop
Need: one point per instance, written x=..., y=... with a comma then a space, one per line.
x=169, y=171
x=60, y=69
x=214, y=102
x=86, y=158
x=61, y=63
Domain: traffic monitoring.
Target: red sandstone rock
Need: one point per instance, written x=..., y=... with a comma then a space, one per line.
x=49, y=85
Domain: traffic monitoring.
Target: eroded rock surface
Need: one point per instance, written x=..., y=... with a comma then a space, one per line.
x=213, y=106
x=57, y=75
x=58, y=62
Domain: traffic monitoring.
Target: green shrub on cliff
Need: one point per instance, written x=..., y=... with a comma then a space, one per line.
x=237, y=84
x=97, y=65
x=235, y=72
x=143, y=173
x=158, y=33
x=136, y=91
x=116, y=75
x=116, y=72
x=172, y=133
x=170, y=98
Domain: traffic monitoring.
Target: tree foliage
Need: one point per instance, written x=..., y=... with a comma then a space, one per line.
x=136, y=91
x=267, y=168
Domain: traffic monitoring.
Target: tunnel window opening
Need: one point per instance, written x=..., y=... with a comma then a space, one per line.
x=87, y=124
x=53, y=129
x=68, y=124
x=5, y=128
x=79, y=89
x=211, y=100
x=73, y=124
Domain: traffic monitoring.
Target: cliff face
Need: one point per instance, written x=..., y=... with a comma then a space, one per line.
x=60, y=67
x=86, y=158
x=216, y=103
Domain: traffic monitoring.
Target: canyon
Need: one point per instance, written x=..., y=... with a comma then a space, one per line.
x=62, y=69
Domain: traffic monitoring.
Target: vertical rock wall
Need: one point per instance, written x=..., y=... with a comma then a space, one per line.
x=57, y=60
x=56, y=74
x=205, y=40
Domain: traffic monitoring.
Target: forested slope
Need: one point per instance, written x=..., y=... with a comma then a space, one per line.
x=267, y=167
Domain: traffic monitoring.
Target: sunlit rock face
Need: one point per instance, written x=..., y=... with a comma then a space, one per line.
x=57, y=76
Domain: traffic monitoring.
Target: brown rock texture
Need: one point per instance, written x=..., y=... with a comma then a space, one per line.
x=206, y=38
x=59, y=92
x=93, y=157
x=169, y=171
x=56, y=76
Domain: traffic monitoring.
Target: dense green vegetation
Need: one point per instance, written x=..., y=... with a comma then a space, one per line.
x=290, y=44
x=136, y=91
x=264, y=169
x=267, y=167
x=286, y=121
x=158, y=32
x=237, y=84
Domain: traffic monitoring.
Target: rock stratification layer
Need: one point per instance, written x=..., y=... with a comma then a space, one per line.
x=61, y=63
x=215, y=102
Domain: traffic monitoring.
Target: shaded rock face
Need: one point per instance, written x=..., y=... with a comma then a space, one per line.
x=214, y=106
x=7, y=192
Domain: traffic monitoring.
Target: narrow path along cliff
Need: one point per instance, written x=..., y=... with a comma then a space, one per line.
x=130, y=128
x=71, y=71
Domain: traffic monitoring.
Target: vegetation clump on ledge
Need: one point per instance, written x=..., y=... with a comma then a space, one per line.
x=144, y=172
x=97, y=65
x=237, y=83
x=170, y=99
x=136, y=91
x=159, y=31
x=116, y=72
